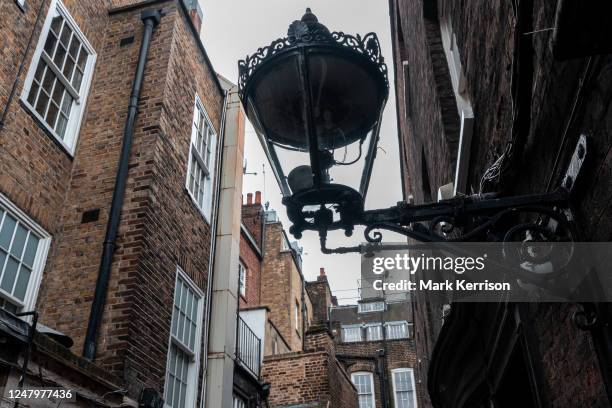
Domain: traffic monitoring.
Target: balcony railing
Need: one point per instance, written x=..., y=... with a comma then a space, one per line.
x=248, y=348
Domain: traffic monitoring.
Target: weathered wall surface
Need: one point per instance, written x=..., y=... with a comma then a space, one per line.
x=568, y=98
x=313, y=377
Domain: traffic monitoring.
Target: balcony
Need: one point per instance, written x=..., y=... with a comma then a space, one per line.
x=248, y=348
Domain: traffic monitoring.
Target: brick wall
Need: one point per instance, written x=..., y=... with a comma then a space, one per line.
x=313, y=377
x=320, y=296
x=486, y=36
x=251, y=249
x=161, y=228
x=252, y=218
x=279, y=272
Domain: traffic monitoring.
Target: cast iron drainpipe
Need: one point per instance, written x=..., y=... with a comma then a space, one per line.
x=150, y=19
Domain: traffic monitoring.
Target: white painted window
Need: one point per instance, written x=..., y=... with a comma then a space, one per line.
x=238, y=402
x=397, y=330
x=404, y=394
x=364, y=382
x=464, y=107
x=185, y=338
x=242, y=271
x=59, y=76
x=374, y=332
x=201, y=159
x=371, y=307
x=23, y=252
x=351, y=333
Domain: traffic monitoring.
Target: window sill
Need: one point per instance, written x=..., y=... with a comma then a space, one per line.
x=45, y=128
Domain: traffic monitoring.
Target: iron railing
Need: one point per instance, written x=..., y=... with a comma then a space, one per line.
x=248, y=348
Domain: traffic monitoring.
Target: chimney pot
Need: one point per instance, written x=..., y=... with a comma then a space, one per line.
x=249, y=198
x=258, y=197
x=321, y=271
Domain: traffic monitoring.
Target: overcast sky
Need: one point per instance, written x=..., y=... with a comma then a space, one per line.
x=232, y=29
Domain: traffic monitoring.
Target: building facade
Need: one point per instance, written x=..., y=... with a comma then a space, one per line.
x=375, y=343
x=493, y=97
x=111, y=136
x=287, y=319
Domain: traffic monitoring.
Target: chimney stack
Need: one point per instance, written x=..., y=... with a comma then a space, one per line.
x=249, y=198
x=322, y=277
x=258, y=197
x=195, y=13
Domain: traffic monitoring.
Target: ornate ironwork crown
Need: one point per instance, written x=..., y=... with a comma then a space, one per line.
x=308, y=31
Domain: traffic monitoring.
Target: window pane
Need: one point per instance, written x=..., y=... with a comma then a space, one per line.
x=60, y=128
x=19, y=241
x=6, y=232
x=56, y=24
x=50, y=44
x=74, y=47
x=30, y=251
x=60, y=55
x=22, y=282
x=10, y=274
x=66, y=34
x=82, y=61
x=77, y=79
x=33, y=93
x=68, y=68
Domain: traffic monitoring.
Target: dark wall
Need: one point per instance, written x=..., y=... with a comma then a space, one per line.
x=556, y=101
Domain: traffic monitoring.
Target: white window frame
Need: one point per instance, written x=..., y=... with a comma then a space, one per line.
x=371, y=378
x=238, y=402
x=78, y=105
x=242, y=279
x=194, y=366
x=369, y=307
x=297, y=316
x=351, y=327
x=464, y=107
x=29, y=301
x=402, y=370
x=397, y=323
x=208, y=168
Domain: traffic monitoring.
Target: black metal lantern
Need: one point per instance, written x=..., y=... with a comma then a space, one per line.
x=316, y=100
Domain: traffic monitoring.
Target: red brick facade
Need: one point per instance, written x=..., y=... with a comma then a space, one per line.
x=313, y=377
x=251, y=255
x=161, y=227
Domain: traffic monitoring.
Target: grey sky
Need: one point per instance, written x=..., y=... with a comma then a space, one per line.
x=232, y=29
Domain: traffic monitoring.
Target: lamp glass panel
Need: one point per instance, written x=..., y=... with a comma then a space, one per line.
x=278, y=98
x=345, y=98
x=353, y=161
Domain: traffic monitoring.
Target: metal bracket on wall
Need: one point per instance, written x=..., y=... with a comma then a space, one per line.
x=573, y=170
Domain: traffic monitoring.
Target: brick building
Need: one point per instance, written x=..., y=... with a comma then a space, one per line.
x=287, y=317
x=109, y=199
x=507, y=86
x=374, y=340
